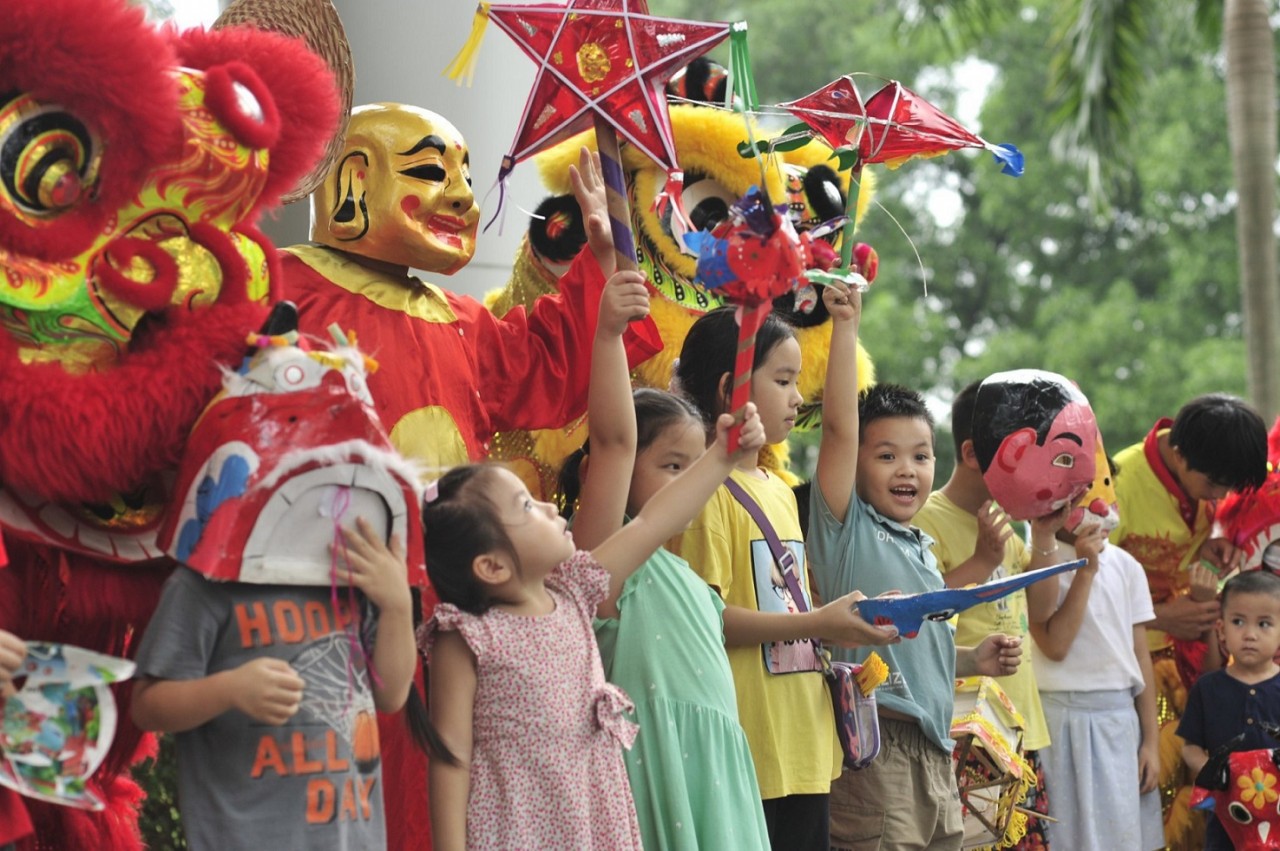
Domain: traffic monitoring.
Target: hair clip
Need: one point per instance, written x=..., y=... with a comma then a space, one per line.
x=431, y=492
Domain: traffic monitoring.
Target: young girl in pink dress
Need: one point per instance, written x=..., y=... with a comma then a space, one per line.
x=526, y=729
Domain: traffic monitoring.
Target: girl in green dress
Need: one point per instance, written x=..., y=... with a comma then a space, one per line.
x=690, y=769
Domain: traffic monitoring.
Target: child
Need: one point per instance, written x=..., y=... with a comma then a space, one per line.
x=1098, y=692
x=219, y=665
x=14, y=822
x=875, y=469
x=973, y=543
x=1167, y=486
x=1245, y=695
x=527, y=729
x=691, y=774
x=783, y=701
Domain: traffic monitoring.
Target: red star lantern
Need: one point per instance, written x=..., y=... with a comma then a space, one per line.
x=894, y=126
x=606, y=58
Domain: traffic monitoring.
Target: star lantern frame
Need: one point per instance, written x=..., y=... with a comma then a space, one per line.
x=603, y=63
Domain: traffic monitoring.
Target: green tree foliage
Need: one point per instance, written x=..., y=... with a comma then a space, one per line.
x=1139, y=306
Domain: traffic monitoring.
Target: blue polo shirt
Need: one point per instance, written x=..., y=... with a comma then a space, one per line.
x=1219, y=708
x=866, y=551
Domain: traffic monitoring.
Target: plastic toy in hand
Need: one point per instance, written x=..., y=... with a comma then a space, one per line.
x=909, y=612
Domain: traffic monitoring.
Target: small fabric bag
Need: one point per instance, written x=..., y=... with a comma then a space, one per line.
x=857, y=721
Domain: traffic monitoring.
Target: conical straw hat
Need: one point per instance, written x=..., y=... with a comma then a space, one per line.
x=316, y=22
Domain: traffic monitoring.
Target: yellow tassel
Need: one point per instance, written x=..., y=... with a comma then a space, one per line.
x=874, y=672
x=462, y=70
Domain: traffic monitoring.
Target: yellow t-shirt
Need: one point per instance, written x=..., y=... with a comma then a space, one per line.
x=955, y=533
x=783, y=701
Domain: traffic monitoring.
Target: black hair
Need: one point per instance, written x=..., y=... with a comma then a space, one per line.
x=962, y=415
x=460, y=524
x=880, y=401
x=708, y=354
x=655, y=411
x=1008, y=401
x=1224, y=438
x=1251, y=582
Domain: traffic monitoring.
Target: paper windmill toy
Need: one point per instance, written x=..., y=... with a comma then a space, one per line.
x=909, y=612
x=603, y=63
x=57, y=728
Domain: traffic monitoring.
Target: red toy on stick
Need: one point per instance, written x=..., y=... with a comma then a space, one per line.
x=752, y=257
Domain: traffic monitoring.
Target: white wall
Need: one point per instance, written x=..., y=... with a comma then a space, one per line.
x=399, y=52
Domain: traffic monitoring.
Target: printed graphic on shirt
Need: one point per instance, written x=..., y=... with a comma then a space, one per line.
x=772, y=595
x=332, y=742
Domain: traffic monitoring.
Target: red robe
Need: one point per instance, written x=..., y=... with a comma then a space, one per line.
x=451, y=374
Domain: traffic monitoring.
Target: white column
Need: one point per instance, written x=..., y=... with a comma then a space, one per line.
x=400, y=49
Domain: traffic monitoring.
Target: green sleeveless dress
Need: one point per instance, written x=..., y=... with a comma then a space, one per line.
x=690, y=769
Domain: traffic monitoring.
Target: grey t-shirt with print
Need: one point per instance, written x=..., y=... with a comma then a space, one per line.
x=313, y=783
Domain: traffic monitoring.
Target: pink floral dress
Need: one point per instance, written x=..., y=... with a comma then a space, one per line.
x=548, y=730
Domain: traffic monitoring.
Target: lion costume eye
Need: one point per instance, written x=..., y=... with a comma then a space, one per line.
x=706, y=201
x=48, y=158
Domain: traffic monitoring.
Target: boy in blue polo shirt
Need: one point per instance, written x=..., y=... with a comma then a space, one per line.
x=1244, y=695
x=875, y=470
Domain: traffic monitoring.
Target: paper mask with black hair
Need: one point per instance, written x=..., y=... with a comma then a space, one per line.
x=1035, y=436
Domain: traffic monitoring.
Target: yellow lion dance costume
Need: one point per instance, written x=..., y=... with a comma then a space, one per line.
x=715, y=176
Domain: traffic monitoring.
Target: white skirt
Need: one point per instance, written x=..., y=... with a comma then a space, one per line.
x=1091, y=771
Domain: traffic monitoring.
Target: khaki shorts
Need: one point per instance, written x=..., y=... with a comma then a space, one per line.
x=906, y=799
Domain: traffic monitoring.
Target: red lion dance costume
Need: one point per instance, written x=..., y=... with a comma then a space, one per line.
x=132, y=161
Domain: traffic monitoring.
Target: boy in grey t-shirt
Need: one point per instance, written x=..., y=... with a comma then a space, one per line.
x=269, y=690
x=875, y=470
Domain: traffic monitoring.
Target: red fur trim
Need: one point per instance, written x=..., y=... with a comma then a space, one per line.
x=113, y=829
x=301, y=86
x=223, y=100
x=119, y=86
x=153, y=295
x=83, y=438
x=235, y=270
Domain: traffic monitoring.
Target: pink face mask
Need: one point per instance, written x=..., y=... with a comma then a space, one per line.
x=1036, y=437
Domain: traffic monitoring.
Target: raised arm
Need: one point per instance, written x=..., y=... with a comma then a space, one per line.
x=1055, y=635
x=838, y=450
x=671, y=509
x=452, y=695
x=589, y=189
x=380, y=573
x=1042, y=596
x=988, y=549
x=611, y=415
